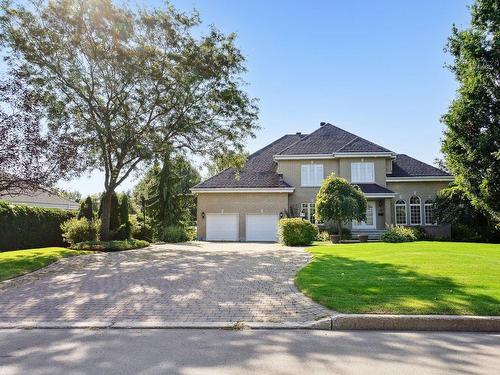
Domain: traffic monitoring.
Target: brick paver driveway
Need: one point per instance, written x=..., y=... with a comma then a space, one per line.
x=196, y=282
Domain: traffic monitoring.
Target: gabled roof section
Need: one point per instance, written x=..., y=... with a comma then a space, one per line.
x=330, y=139
x=259, y=170
x=374, y=189
x=406, y=166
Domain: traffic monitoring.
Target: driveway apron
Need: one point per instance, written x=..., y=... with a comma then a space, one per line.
x=184, y=283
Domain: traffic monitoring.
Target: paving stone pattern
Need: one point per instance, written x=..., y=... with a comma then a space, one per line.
x=195, y=282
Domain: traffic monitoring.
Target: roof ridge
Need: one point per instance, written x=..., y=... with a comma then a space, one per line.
x=304, y=138
x=212, y=177
x=348, y=143
x=269, y=145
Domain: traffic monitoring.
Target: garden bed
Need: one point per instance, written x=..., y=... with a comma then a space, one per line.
x=108, y=246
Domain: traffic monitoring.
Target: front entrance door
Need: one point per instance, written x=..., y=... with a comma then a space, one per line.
x=370, y=222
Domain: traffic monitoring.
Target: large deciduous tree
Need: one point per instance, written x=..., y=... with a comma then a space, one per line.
x=224, y=159
x=471, y=142
x=32, y=156
x=131, y=82
x=339, y=201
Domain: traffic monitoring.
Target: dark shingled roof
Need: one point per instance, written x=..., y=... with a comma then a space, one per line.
x=259, y=170
x=329, y=139
x=374, y=189
x=406, y=166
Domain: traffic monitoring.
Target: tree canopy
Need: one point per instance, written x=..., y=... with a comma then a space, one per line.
x=339, y=201
x=31, y=156
x=471, y=142
x=130, y=82
x=222, y=160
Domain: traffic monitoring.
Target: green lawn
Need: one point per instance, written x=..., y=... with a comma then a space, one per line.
x=18, y=262
x=407, y=278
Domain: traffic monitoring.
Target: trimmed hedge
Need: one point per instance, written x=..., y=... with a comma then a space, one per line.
x=297, y=232
x=111, y=245
x=23, y=227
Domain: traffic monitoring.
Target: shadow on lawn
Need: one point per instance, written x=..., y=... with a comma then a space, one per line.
x=357, y=286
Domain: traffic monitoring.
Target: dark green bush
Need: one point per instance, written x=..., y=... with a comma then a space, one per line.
x=346, y=232
x=78, y=230
x=297, y=232
x=139, y=230
x=23, y=227
x=398, y=233
x=463, y=232
x=110, y=245
x=419, y=232
x=123, y=232
x=174, y=233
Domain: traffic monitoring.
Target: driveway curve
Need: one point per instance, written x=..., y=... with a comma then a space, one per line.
x=181, y=283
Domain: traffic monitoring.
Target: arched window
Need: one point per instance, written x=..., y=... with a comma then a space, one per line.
x=400, y=212
x=428, y=212
x=415, y=212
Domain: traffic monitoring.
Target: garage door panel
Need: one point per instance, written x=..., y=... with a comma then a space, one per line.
x=262, y=227
x=222, y=227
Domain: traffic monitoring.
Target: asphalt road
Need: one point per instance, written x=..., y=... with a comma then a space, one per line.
x=196, y=352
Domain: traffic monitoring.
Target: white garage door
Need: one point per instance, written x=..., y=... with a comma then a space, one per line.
x=222, y=227
x=260, y=227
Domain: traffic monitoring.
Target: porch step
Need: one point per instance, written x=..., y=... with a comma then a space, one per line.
x=373, y=234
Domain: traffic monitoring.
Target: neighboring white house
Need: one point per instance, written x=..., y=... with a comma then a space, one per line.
x=41, y=198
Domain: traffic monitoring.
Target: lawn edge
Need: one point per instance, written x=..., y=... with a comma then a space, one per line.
x=87, y=252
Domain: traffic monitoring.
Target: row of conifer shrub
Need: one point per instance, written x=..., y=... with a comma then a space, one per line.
x=23, y=227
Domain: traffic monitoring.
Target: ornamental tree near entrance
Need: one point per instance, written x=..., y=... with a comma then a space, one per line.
x=339, y=201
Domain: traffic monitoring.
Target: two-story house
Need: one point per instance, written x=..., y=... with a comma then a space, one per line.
x=283, y=178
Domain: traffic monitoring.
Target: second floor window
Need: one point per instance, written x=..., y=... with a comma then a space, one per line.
x=311, y=174
x=362, y=172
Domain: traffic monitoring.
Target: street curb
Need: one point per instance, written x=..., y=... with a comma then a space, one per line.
x=322, y=324
x=416, y=322
x=337, y=322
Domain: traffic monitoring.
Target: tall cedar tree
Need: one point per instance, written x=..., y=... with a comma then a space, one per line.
x=471, y=142
x=185, y=202
x=130, y=81
x=114, y=222
x=124, y=209
x=86, y=209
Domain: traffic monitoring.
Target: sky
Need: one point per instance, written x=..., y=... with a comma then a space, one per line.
x=374, y=68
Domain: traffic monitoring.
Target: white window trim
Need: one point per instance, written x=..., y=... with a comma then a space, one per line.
x=419, y=205
x=365, y=179
x=317, y=168
x=307, y=207
x=396, y=205
x=425, y=213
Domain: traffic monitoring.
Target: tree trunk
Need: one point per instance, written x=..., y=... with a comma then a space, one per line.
x=339, y=224
x=106, y=215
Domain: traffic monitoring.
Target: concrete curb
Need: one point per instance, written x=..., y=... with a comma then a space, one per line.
x=416, y=322
x=337, y=322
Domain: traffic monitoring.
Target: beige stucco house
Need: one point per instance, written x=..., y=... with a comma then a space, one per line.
x=283, y=178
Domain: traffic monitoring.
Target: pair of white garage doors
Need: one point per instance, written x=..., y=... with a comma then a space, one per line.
x=226, y=227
